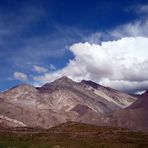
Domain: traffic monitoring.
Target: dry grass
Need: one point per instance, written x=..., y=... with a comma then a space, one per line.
x=74, y=135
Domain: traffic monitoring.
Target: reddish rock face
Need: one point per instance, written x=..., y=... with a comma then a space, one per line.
x=81, y=109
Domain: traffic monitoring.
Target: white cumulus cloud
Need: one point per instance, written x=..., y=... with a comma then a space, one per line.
x=20, y=76
x=121, y=64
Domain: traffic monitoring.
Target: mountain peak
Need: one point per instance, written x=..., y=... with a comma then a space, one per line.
x=23, y=86
x=20, y=89
x=46, y=85
x=64, y=80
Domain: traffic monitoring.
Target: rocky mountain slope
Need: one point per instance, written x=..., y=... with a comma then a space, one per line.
x=60, y=101
x=134, y=116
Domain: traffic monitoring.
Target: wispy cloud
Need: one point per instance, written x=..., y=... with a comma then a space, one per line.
x=39, y=69
x=20, y=76
x=51, y=67
x=137, y=28
x=144, y=9
x=141, y=9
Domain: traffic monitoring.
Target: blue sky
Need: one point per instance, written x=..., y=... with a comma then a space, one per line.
x=37, y=38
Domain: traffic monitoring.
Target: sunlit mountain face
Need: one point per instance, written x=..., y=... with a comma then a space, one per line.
x=61, y=101
x=65, y=100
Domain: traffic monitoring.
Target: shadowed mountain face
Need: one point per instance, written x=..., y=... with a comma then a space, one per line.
x=135, y=116
x=60, y=101
x=141, y=103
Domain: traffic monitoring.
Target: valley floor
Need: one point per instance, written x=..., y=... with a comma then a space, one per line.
x=73, y=135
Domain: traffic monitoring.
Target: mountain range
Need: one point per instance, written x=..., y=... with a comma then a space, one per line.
x=65, y=100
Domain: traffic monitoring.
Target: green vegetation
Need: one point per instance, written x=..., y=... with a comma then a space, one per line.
x=74, y=135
